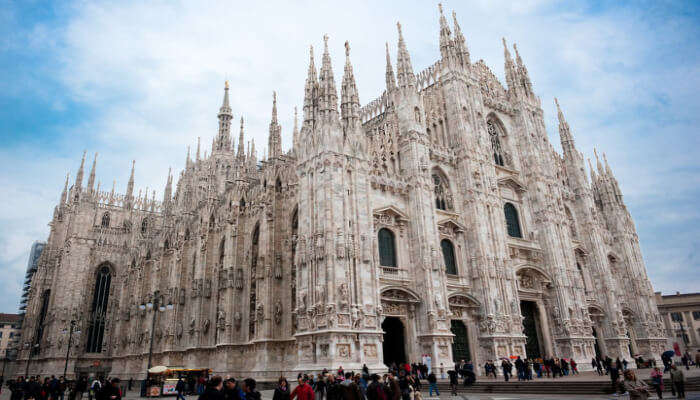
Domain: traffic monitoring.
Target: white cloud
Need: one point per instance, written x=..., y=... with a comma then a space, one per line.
x=151, y=76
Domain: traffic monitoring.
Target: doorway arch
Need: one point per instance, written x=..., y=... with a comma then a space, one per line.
x=531, y=328
x=460, y=343
x=394, y=347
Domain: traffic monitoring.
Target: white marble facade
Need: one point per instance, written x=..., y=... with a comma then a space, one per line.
x=273, y=265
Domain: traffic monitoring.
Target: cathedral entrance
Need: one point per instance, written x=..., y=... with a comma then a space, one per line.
x=460, y=343
x=394, y=341
x=531, y=328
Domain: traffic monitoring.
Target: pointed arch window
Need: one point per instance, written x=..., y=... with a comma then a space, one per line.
x=222, y=252
x=45, y=297
x=494, y=133
x=144, y=226
x=387, y=248
x=253, y=280
x=278, y=185
x=295, y=230
x=105, y=220
x=512, y=221
x=448, y=255
x=100, y=299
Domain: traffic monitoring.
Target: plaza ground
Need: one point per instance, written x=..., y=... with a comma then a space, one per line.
x=445, y=395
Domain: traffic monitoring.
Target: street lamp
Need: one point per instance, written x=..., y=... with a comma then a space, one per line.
x=32, y=350
x=157, y=306
x=73, y=324
x=4, y=361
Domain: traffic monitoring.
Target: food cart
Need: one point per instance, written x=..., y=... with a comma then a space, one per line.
x=162, y=380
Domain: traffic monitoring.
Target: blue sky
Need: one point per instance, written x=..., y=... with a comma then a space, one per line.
x=142, y=80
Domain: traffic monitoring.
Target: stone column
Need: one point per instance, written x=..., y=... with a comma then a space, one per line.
x=692, y=334
x=544, y=328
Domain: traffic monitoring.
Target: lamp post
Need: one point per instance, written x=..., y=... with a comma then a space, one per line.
x=73, y=323
x=156, y=306
x=32, y=349
x=4, y=361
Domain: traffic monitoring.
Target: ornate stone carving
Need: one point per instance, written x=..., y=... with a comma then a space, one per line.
x=278, y=312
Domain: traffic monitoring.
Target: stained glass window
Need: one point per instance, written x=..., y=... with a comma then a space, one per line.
x=99, y=311
x=387, y=248
x=512, y=221
x=448, y=254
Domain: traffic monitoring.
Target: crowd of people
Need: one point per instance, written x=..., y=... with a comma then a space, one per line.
x=58, y=388
x=401, y=382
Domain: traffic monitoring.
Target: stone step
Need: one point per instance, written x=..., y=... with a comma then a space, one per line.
x=550, y=387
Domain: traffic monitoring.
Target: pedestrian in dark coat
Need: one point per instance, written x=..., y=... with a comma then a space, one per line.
x=213, y=390
x=282, y=390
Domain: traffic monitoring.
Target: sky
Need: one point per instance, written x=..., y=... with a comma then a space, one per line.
x=134, y=80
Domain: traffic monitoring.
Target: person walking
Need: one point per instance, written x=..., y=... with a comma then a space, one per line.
x=574, y=367
x=697, y=359
x=303, y=391
x=282, y=391
x=614, y=377
x=375, y=390
x=319, y=386
x=637, y=389
x=454, y=380
x=507, y=368
x=519, y=368
x=432, y=384
x=80, y=387
x=213, y=389
x=678, y=382
x=249, y=390
x=657, y=381
x=180, y=389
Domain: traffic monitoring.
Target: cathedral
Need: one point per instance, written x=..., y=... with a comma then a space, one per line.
x=436, y=220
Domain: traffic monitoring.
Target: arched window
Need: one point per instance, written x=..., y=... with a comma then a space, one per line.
x=448, y=254
x=144, y=225
x=100, y=298
x=295, y=230
x=278, y=185
x=443, y=198
x=512, y=221
x=241, y=203
x=494, y=133
x=253, y=280
x=105, y=220
x=222, y=252
x=187, y=233
x=387, y=248
x=45, y=297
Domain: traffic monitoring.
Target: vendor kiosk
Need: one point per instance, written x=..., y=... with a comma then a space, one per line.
x=162, y=381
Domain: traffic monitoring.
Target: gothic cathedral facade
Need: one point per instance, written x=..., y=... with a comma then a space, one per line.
x=437, y=219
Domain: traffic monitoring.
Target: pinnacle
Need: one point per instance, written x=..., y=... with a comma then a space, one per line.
x=274, y=107
x=404, y=70
x=390, y=80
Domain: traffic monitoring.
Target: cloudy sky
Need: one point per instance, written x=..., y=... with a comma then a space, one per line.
x=142, y=80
